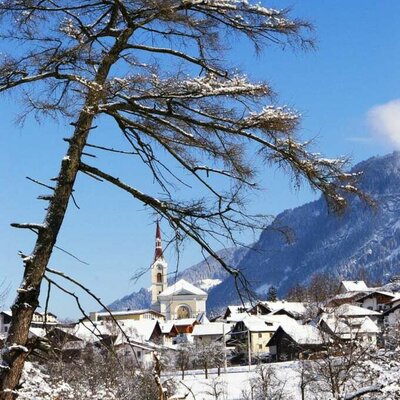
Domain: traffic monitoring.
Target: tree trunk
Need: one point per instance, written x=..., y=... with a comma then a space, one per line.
x=28, y=294
x=15, y=350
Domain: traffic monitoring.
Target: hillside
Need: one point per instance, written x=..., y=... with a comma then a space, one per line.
x=361, y=238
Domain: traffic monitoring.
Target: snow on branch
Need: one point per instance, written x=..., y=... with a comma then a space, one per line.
x=363, y=391
x=206, y=86
x=272, y=118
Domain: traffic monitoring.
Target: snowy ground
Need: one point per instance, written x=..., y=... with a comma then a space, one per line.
x=235, y=380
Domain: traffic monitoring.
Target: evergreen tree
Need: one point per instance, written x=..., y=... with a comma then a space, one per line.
x=272, y=294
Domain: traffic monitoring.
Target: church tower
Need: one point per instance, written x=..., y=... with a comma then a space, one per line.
x=158, y=271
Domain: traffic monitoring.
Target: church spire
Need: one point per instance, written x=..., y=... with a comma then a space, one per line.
x=159, y=251
x=158, y=271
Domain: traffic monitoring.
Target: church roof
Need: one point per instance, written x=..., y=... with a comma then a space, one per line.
x=182, y=287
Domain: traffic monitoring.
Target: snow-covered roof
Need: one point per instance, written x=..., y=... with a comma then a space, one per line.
x=354, y=286
x=350, y=310
x=86, y=331
x=202, y=318
x=7, y=312
x=139, y=329
x=184, y=321
x=213, y=328
x=255, y=323
x=127, y=312
x=293, y=307
x=345, y=296
x=166, y=327
x=348, y=328
x=38, y=332
x=239, y=309
x=304, y=334
x=136, y=329
x=395, y=299
x=180, y=288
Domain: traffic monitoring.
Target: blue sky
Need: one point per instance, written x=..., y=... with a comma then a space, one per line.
x=346, y=90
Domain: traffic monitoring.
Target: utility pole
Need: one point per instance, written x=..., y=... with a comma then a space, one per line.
x=224, y=341
x=249, y=347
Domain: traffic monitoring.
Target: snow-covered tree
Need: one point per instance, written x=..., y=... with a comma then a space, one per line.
x=266, y=384
x=184, y=357
x=156, y=70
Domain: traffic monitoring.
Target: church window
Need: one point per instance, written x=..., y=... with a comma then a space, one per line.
x=159, y=278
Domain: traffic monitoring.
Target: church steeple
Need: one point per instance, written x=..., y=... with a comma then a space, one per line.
x=158, y=271
x=159, y=251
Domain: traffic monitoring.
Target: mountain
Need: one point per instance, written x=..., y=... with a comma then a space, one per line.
x=206, y=274
x=363, y=237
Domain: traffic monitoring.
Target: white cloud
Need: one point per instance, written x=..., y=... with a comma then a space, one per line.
x=384, y=120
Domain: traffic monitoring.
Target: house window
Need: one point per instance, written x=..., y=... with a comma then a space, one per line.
x=260, y=346
x=159, y=278
x=260, y=335
x=139, y=354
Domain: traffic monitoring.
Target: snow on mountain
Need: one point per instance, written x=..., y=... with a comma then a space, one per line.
x=363, y=237
x=207, y=284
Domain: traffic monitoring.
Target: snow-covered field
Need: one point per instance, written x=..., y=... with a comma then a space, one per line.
x=268, y=381
x=235, y=381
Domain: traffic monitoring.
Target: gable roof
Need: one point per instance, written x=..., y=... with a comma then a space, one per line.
x=304, y=334
x=354, y=286
x=293, y=307
x=350, y=310
x=349, y=328
x=214, y=328
x=128, y=312
x=390, y=295
x=141, y=330
x=342, y=298
x=182, y=287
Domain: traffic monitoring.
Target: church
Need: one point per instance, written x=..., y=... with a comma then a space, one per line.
x=181, y=299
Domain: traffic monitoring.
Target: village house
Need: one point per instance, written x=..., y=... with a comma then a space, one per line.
x=295, y=310
x=211, y=332
x=39, y=320
x=375, y=300
x=257, y=331
x=350, y=322
x=291, y=341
